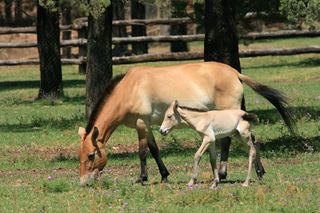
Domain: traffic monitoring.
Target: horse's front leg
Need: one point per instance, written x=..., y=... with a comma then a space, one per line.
x=197, y=157
x=143, y=152
x=156, y=155
x=225, y=146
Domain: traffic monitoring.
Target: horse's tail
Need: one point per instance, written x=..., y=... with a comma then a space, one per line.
x=275, y=97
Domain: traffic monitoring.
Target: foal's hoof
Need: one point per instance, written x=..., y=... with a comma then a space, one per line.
x=245, y=184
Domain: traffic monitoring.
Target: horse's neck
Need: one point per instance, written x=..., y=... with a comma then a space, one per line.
x=191, y=118
x=109, y=118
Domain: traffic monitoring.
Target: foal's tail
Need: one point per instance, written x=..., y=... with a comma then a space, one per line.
x=250, y=117
x=275, y=97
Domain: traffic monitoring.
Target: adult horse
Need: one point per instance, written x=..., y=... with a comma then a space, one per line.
x=139, y=99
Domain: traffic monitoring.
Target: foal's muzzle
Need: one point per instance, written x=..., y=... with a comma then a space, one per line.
x=164, y=132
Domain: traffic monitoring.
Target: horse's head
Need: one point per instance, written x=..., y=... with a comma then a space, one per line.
x=92, y=156
x=171, y=118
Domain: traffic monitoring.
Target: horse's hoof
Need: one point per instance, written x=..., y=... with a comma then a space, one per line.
x=260, y=173
x=222, y=175
x=142, y=180
x=164, y=180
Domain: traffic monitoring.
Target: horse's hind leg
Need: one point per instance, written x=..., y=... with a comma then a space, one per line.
x=258, y=164
x=156, y=155
x=213, y=162
x=225, y=146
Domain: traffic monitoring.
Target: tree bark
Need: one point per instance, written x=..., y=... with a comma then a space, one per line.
x=8, y=12
x=48, y=37
x=99, y=64
x=138, y=11
x=178, y=8
x=221, y=40
x=121, y=30
x=221, y=44
x=66, y=20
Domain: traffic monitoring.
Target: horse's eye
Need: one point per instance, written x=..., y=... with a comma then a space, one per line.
x=169, y=116
x=91, y=156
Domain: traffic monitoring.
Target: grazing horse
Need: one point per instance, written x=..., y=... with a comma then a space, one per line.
x=139, y=99
x=213, y=125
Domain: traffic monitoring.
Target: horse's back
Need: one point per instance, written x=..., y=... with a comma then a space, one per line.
x=206, y=85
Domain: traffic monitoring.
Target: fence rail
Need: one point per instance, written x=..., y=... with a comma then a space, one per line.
x=172, y=56
x=81, y=42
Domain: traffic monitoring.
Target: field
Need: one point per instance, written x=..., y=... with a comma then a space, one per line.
x=39, y=142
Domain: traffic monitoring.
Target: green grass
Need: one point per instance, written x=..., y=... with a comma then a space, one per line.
x=39, y=143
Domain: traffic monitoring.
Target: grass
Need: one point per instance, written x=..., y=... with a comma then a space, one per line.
x=39, y=142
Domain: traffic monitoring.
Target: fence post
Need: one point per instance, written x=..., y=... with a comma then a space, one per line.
x=82, y=33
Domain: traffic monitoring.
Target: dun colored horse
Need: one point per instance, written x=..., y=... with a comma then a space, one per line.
x=213, y=125
x=140, y=98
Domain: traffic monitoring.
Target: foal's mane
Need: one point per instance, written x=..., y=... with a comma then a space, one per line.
x=112, y=83
x=193, y=109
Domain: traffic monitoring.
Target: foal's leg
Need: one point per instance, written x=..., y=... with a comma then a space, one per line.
x=213, y=162
x=258, y=164
x=197, y=157
x=156, y=155
x=245, y=133
x=225, y=146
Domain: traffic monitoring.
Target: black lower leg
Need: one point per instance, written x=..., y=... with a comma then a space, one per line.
x=225, y=145
x=154, y=150
x=143, y=164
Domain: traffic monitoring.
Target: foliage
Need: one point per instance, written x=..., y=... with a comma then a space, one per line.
x=299, y=12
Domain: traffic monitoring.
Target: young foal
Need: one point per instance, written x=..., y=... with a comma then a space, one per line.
x=214, y=125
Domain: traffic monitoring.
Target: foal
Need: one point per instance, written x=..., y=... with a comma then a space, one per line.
x=214, y=125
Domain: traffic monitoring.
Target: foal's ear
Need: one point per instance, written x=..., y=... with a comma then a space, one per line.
x=175, y=105
x=82, y=133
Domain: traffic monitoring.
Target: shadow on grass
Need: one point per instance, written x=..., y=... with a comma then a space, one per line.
x=9, y=85
x=272, y=115
x=307, y=62
x=37, y=123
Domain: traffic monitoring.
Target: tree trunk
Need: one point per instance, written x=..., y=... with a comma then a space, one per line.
x=99, y=64
x=178, y=8
x=221, y=44
x=138, y=11
x=121, y=30
x=8, y=12
x=48, y=33
x=221, y=41
x=18, y=12
x=66, y=35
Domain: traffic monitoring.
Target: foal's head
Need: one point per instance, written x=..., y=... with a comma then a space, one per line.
x=92, y=156
x=171, y=118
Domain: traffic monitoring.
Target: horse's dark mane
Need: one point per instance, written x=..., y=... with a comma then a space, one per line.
x=193, y=109
x=97, y=108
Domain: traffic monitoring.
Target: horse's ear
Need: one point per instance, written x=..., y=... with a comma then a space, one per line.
x=82, y=133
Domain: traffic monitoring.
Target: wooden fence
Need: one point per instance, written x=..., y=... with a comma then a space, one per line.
x=81, y=42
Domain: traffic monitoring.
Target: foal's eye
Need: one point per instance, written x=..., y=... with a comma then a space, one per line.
x=91, y=156
x=169, y=116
